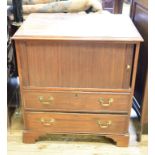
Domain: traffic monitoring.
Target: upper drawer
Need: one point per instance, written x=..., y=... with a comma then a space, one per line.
x=75, y=64
x=76, y=101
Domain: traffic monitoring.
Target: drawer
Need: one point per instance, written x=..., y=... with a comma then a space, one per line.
x=76, y=123
x=76, y=101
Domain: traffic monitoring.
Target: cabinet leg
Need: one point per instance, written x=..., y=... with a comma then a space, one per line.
x=121, y=140
x=30, y=137
x=139, y=136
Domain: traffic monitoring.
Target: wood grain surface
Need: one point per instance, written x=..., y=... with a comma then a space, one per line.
x=76, y=123
x=77, y=64
x=76, y=101
x=97, y=26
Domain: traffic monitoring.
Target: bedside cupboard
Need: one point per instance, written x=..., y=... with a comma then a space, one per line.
x=77, y=74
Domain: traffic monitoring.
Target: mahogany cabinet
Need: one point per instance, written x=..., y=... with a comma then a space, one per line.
x=76, y=78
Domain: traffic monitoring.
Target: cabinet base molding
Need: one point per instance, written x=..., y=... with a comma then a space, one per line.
x=30, y=137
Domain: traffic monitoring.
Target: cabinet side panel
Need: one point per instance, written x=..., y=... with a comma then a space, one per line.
x=22, y=62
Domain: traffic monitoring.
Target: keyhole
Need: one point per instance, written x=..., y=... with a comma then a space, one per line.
x=76, y=95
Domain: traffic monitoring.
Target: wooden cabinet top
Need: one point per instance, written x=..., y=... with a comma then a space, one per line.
x=93, y=26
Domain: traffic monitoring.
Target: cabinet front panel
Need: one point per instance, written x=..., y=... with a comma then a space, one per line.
x=76, y=64
x=76, y=123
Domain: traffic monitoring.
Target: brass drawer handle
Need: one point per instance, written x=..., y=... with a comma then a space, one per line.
x=48, y=101
x=104, y=125
x=47, y=122
x=101, y=100
x=111, y=100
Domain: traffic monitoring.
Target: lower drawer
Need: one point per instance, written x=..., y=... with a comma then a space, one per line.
x=76, y=123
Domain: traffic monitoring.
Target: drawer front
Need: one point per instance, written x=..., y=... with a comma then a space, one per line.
x=67, y=101
x=76, y=123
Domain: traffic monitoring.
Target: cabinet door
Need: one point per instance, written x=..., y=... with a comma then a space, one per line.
x=76, y=64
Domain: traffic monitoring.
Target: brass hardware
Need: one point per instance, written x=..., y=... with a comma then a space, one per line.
x=48, y=101
x=128, y=67
x=111, y=100
x=101, y=100
x=104, y=124
x=47, y=122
